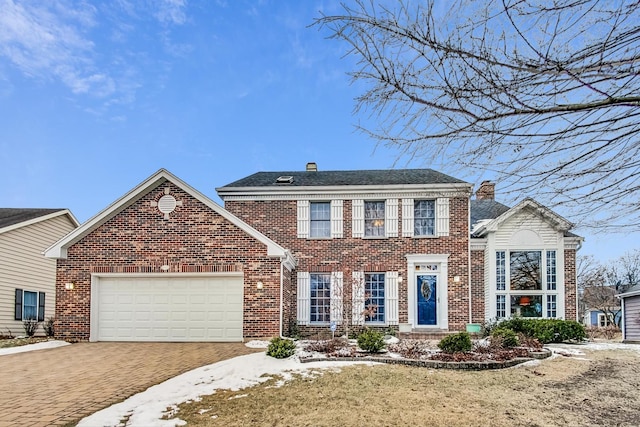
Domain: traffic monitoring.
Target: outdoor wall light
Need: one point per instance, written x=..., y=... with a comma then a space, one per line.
x=259, y=285
x=456, y=279
x=68, y=286
x=164, y=267
x=399, y=279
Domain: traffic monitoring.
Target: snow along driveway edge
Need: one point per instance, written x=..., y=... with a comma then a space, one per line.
x=148, y=407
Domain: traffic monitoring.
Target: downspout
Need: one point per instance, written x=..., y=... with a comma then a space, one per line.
x=469, y=259
x=282, y=261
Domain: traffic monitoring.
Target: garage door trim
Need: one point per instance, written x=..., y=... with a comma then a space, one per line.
x=95, y=283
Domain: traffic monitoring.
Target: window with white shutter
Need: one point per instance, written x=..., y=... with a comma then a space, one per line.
x=303, y=297
x=357, y=298
x=336, y=297
x=337, y=218
x=303, y=219
x=357, y=218
x=391, y=279
x=391, y=218
x=442, y=216
x=407, y=217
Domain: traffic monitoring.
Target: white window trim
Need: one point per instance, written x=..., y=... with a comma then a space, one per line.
x=490, y=300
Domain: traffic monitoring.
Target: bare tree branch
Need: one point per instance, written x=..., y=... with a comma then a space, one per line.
x=544, y=95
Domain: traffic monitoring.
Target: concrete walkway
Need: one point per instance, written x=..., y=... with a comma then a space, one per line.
x=62, y=385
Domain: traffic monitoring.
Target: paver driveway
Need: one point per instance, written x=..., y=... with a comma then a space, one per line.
x=61, y=385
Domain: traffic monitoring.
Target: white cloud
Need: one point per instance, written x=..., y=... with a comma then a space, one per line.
x=59, y=41
x=45, y=40
x=171, y=12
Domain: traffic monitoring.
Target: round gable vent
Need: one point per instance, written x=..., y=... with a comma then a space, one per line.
x=167, y=204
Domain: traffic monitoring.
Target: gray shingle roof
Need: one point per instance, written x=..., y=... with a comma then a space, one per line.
x=348, y=177
x=11, y=216
x=486, y=209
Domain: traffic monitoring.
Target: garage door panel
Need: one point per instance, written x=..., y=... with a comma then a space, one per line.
x=169, y=309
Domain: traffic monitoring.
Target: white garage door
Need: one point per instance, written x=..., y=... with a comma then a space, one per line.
x=168, y=308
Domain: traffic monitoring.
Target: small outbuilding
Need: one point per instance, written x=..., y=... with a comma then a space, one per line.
x=631, y=314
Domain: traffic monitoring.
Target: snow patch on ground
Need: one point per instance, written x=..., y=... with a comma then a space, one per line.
x=32, y=347
x=257, y=344
x=146, y=408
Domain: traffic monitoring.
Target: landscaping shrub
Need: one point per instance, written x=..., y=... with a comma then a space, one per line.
x=49, y=326
x=506, y=337
x=30, y=326
x=456, y=343
x=546, y=330
x=327, y=346
x=487, y=327
x=371, y=341
x=281, y=348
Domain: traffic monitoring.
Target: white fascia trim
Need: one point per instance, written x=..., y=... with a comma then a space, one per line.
x=573, y=242
x=478, y=244
x=559, y=223
x=629, y=294
x=336, y=190
x=40, y=219
x=59, y=249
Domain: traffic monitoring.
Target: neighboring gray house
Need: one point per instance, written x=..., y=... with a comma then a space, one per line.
x=631, y=314
x=27, y=278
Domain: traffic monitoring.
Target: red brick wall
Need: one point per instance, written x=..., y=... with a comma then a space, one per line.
x=277, y=220
x=570, y=297
x=194, y=238
x=477, y=286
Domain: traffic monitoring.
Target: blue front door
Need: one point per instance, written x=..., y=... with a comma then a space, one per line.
x=427, y=299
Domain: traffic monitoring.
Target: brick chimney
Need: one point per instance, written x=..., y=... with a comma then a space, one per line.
x=487, y=191
x=312, y=167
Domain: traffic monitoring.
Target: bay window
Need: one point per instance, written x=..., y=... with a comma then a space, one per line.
x=527, y=287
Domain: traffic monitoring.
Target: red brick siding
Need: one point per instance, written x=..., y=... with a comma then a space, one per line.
x=570, y=296
x=194, y=238
x=277, y=220
x=477, y=286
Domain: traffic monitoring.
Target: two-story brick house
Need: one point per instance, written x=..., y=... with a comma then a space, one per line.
x=407, y=249
x=410, y=249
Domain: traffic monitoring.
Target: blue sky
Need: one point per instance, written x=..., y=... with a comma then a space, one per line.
x=96, y=96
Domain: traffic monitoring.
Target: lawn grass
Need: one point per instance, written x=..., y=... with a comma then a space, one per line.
x=565, y=391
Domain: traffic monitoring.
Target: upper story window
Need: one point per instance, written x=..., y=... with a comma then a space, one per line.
x=374, y=216
x=424, y=218
x=320, y=219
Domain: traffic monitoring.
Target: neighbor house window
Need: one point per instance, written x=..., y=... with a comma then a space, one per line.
x=374, y=297
x=374, y=219
x=424, y=218
x=320, y=219
x=320, y=298
x=527, y=286
x=29, y=305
